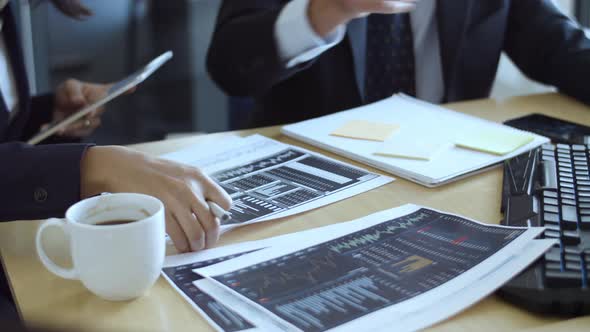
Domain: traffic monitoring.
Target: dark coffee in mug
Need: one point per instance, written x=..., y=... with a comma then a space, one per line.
x=115, y=222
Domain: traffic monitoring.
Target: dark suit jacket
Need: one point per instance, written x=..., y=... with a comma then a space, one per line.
x=243, y=58
x=40, y=181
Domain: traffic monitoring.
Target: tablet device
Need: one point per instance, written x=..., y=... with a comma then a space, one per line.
x=559, y=131
x=116, y=90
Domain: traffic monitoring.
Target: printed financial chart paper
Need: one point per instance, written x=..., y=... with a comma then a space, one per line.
x=268, y=179
x=378, y=270
x=178, y=271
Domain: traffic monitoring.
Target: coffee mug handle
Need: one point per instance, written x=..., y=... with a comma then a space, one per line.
x=49, y=264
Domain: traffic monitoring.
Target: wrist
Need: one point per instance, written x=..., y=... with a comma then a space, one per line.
x=325, y=16
x=93, y=179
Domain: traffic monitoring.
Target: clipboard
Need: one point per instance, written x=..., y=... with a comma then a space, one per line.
x=116, y=90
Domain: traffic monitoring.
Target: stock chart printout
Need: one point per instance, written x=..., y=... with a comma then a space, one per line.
x=221, y=317
x=284, y=180
x=329, y=284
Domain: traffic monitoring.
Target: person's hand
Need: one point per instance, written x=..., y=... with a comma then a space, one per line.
x=184, y=191
x=73, y=95
x=326, y=15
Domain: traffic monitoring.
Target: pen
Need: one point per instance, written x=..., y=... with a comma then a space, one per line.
x=218, y=212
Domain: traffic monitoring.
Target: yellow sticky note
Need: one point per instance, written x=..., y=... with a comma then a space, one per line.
x=371, y=131
x=407, y=149
x=499, y=142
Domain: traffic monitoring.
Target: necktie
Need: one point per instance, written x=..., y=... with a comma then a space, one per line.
x=390, y=57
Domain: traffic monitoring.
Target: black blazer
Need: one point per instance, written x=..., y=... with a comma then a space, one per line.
x=36, y=181
x=243, y=58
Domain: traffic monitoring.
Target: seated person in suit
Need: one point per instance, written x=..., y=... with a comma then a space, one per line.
x=43, y=181
x=301, y=59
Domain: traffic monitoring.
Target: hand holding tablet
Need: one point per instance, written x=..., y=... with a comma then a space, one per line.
x=116, y=90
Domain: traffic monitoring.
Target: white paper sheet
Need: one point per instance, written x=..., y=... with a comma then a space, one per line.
x=226, y=318
x=430, y=315
x=238, y=154
x=266, y=319
x=418, y=120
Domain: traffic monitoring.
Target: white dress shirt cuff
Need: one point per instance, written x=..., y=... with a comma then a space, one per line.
x=297, y=41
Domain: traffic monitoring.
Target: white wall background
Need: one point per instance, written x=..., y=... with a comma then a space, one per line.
x=511, y=82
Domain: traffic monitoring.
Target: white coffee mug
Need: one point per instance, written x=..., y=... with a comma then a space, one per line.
x=116, y=262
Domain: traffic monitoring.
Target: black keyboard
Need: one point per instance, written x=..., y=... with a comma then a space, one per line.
x=550, y=187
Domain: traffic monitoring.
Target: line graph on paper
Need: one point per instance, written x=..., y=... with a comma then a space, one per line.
x=332, y=283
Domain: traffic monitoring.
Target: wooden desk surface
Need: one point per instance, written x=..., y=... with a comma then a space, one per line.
x=45, y=298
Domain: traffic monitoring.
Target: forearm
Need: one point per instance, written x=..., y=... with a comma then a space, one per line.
x=39, y=181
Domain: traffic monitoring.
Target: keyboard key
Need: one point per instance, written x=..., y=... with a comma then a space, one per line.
x=563, y=147
x=585, y=223
x=567, y=185
x=569, y=202
x=551, y=208
x=566, y=179
x=578, y=147
x=548, y=153
x=553, y=255
x=554, y=266
x=567, y=191
x=585, y=178
x=570, y=238
x=573, y=250
x=574, y=266
x=551, y=217
x=584, y=211
x=552, y=234
x=565, y=164
x=576, y=158
x=585, y=205
x=569, y=217
x=552, y=226
x=572, y=257
x=584, y=199
x=551, y=194
x=568, y=196
x=583, y=183
x=551, y=201
x=567, y=279
x=583, y=194
x=584, y=188
x=566, y=174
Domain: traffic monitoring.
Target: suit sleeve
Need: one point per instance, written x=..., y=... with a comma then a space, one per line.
x=41, y=113
x=244, y=59
x=39, y=181
x=42, y=108
x=549, y=47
